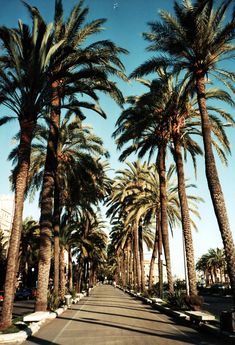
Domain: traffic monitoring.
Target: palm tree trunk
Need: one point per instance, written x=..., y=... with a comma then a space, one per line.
x=213, y=181
x=56, y=227
x=47, y=204
x=80, y=273
x=141, y=258
x=123, y=258
x=185, y=219
x=131, y=276
x=164, y=218
x=62, y=275
x=134, y=270
x=154, y=252
x=70, y=268
x=27, y=130
x=160, y=263
x=136, y=255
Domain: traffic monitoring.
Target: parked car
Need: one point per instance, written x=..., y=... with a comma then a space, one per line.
x=25, y=293
x=1, y=296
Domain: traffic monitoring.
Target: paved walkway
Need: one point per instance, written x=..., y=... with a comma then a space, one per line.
x=111, y=317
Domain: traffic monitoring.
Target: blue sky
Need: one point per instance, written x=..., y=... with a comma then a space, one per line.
x=126, y=20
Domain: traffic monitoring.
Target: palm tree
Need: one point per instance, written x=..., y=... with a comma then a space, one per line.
x=89, y=241
x=25, y=90
x=77, y=164
x=28, y=253
x=93, y=64
x=122, y=192
x=210, y=263
x=195, y=41
x=179, y=118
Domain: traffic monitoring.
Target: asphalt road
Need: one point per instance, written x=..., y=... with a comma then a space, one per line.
x=22, y=307
x=111, y=317
x=212, y=304
x=217, y=304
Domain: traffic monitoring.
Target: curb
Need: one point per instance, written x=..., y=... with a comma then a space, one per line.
x=19, y=337
x=180, y=315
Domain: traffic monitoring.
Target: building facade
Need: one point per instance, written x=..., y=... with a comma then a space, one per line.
x=6, y=217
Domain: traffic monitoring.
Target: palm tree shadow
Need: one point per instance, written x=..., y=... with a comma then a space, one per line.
x=125, y=316
x=112, y=306
x=40, y=341
x=171, y=336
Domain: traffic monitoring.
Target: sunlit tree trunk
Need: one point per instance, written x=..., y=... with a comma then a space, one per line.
x=136, y=255
x=141, y=249
x=70, y=275
x=164, y=217
x=27, y=130
x=47, y=203
x=154, y=252
x=160, y=263
x=185, y=218
x=213, y=181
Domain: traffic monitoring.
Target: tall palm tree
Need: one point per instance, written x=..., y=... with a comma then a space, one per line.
x=25, y=90
x=77, y=153
x=196, y=40
x=178, y=117
x=94, y=64
x=122, y=192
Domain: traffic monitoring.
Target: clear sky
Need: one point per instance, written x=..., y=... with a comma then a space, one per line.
x=126, y=20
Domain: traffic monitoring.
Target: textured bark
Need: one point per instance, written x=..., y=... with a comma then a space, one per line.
x=141, y=249
x=134, y=271
x=137, y=256
x=160, y=263
x=70, y=275
x=62, y=274
x=213, y=181
x=56, y=227
x=27, y=130
x=123, y=269
x=164, y=218
x=154, y=252
x=185, y=218
x=47, y=204
x=131, y=282
x=80, y=273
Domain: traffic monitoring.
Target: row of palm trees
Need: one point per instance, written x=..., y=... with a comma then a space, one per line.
x=135, y=210
x=213, y=265
x=46, y=69
x=188, y=48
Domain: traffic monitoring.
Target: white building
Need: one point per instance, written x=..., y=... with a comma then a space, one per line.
x=6, y=215
x=155, y=277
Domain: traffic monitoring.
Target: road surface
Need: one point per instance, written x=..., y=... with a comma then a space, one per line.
x=111, y=317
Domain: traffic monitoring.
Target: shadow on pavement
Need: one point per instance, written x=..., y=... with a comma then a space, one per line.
x=182, y=337
x=40, y=341
x=121, y=315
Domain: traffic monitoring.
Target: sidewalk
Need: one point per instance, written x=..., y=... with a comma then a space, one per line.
x=109, y=316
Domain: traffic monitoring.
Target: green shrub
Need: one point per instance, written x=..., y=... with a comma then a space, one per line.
x=73, y=293
x=176, y=300
x=53, y=301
